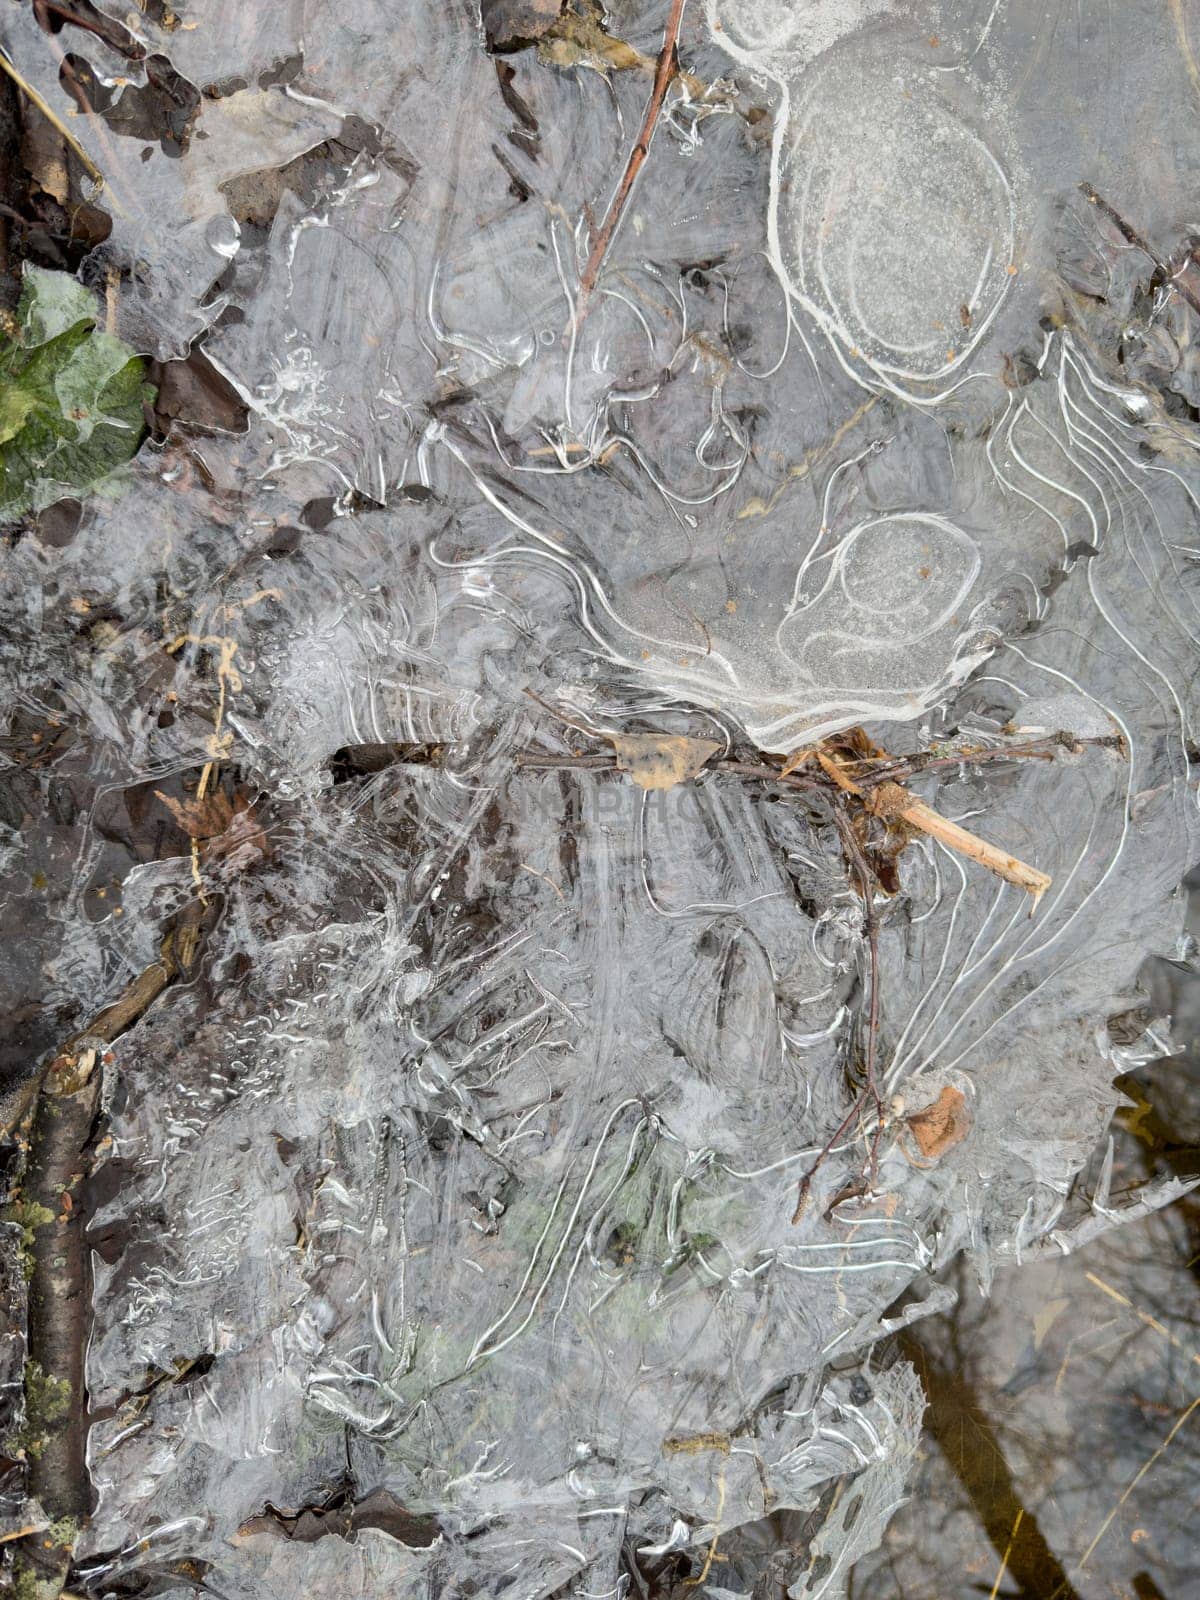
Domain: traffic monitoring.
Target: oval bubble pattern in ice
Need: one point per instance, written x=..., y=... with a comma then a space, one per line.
x=897, y=233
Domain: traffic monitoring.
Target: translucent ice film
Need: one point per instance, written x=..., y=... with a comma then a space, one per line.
x=599, y=654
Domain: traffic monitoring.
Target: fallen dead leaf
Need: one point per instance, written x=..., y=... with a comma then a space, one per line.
x=580, y=38
x=1045, y=1319
x=200, y=819
x=796, y=759
x=661, y=760
x=940, y=1126
x=509, y=24
x=222, y=827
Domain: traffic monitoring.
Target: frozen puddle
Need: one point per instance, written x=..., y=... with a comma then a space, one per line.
x=532, y=1141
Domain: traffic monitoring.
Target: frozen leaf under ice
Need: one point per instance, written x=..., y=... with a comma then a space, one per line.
x=71, y=397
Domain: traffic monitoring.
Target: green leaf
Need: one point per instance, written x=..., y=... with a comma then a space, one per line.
x=51, y=303
x=71, y=399
x=15, y=406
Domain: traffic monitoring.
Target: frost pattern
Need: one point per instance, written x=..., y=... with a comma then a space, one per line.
x=468, y=1161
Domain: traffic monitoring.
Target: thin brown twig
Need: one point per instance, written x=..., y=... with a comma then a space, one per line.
x=898, y=768
x=807, y=1180
x=870, y=1089
x=664, y=73
x=1139, y=241
x=561, y=716
x=536, y=761
x=767, y=774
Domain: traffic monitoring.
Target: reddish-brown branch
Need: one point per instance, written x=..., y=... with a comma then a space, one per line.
x=807, y=1179
x=668, y=67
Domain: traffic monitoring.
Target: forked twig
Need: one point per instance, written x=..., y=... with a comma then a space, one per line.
x=875, y=788
x=871, y=781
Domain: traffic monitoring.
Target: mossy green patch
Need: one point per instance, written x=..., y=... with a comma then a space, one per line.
x=63, y=1532
x=25, y=1584
x=31, y=1584
x=29, y=1216
x=47, y=1402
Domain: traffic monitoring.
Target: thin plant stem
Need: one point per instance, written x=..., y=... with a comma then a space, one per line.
x=860, y=869
x=666, y=70
x=53, y=118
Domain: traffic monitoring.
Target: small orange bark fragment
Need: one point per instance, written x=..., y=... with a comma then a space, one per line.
x=940, y=1126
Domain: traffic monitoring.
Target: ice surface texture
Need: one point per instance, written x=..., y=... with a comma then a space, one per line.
x=463, y=1172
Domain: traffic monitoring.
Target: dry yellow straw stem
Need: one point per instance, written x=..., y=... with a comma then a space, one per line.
x=1140, y=1474
x=890, y=800
x=1151, y=1322
x=1012, y=1539
x=52, y=117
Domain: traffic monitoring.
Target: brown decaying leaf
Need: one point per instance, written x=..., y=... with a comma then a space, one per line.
x=512, y=23
x=221, y=826
x=940, y=1126
x=795, y=760
x=200, y=819
x=661, y=760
